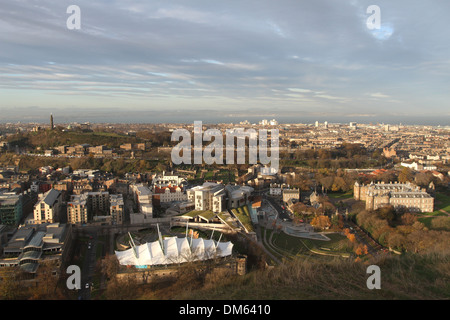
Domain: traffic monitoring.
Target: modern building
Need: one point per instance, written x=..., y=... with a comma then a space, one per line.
x=48, y=207
x=168, y=180
x=116, y=209
x=99, y=202
x=209, y=196
x=34, y=245
x=77, y=209
x=142, y=196
x=217, y=197
x=95, y=206
x=11, y=208
x=237, y=196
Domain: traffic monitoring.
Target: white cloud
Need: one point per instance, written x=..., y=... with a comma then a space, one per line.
x=379, y=95
x=299, y=90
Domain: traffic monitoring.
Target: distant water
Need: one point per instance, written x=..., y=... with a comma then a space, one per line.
x=42, y=115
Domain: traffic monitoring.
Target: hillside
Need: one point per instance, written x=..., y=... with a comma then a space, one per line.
x=54, y=138
x=410, y=276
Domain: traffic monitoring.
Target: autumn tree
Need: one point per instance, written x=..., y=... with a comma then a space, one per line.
x=321, y=222
x=408, y=218
x=46, y=287
x=352, y=238
x=405, y=175
x=10, y=287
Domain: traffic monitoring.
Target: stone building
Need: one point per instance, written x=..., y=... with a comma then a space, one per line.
x=399, y=195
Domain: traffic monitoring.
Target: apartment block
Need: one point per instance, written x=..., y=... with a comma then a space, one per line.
x=48, y=207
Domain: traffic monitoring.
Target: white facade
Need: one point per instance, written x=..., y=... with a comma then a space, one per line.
x=170, y=195
x=167, y=180
x=48, y=207
x=209, y=196
x=217, y=197
x=143, y=198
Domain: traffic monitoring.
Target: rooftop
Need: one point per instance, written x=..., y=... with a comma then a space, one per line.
x=51, y=196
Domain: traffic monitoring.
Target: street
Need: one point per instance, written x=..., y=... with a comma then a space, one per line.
x=88, y=268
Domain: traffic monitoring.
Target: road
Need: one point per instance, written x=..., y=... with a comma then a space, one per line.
x=362, y=237
x=282, y=213
x=88, y=268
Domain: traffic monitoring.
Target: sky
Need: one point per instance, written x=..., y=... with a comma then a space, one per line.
x=225, y=61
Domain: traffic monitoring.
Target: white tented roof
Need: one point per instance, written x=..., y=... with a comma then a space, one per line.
x=175, y=250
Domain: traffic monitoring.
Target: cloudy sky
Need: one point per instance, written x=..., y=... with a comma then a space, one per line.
x=225, y=61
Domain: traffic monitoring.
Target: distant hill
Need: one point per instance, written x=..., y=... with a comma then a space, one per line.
x=54, y=138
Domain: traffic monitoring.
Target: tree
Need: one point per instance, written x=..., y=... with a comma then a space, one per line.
x=338, y=221
x=408, y=218
x=423, y=179
x=361, y=250
x=405, y=175
x=387, y=213
x=327, y=182
x=352, y=238
x=339, y=184
x=10, y=287
x=46, y=284
x=396, y=240
x=109, y=266
x=321, y=222
x=124, y=289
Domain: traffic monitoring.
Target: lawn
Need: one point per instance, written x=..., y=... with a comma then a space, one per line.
x=209, y=175
x=340, y=195
x=442, y=201
x=244, y=217
x=338, y=243
x=301, y=247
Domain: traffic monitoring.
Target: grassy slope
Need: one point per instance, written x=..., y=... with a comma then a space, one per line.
x=402, y=277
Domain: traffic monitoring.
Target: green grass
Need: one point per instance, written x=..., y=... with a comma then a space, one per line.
x=340, y=195
x=426, y=221
x=209, y=175
x=244, y=217
x=442, y=201
x=290, y=246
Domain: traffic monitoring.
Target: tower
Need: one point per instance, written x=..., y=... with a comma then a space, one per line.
x=51, y=121
x=370, y=199
x=356, y=191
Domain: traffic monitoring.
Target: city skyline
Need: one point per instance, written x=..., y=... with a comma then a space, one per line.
x=134, y=61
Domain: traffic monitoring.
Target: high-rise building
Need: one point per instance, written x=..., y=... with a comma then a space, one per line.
x=11, y=208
